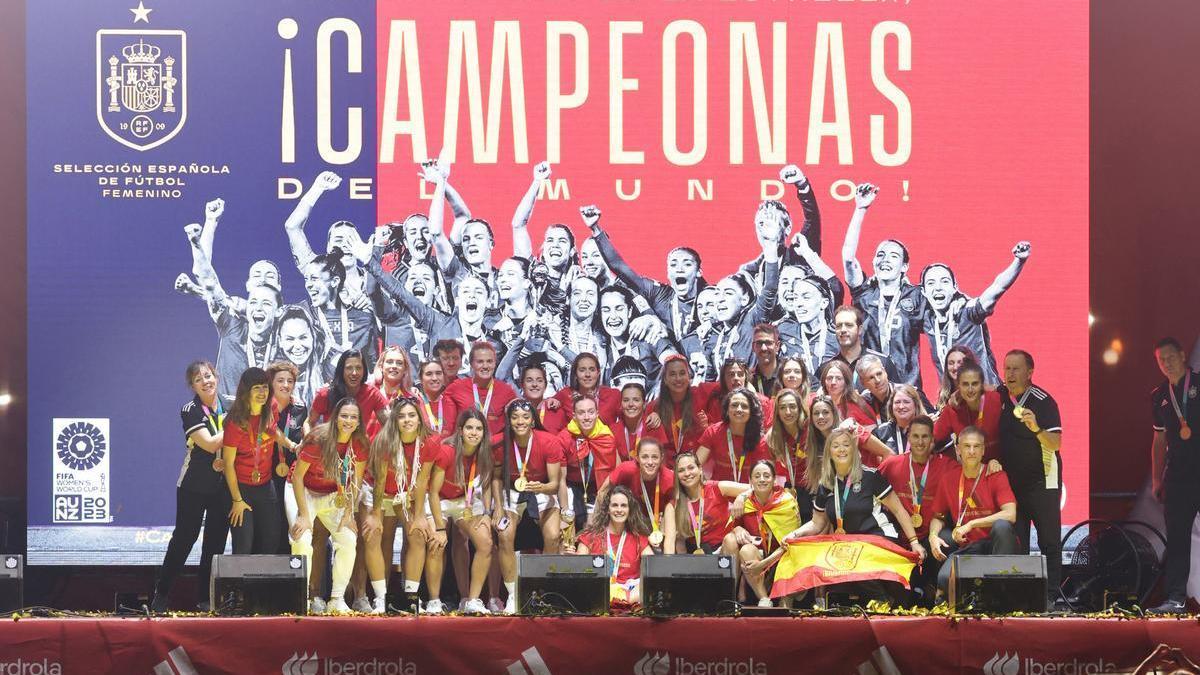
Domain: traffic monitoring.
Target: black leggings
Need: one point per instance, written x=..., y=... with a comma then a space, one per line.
x=193, y=509
x=259, y=531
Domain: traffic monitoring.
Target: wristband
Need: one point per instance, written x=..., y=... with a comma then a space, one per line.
x=239, y=500
x=913, y=540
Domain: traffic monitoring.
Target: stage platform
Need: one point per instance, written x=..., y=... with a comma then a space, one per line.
x=884, y=645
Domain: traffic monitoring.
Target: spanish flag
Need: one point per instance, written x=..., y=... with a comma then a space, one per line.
x=777, y=518
x=840, y=558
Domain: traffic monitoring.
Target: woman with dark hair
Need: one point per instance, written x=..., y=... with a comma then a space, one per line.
x=631, y=427
x=529, y=461
x=429, y=392
x=955, y=358
x=461, y=479
x=620, y=530
x=350, y=381
x=590, y=454
x=700, y=510
x=856, y=414
x=201, y=498
x=613, y=321
x=400, y=465
x=677, y=411
x=794, y=375
x=734, y=375
x=304, y=346
x=785, y=441
x=647, y=477
x=292, y=421
x=739, y=309
x=972, y=405
x=247, y=451
x=585, y=380
x=771, y=513
x=550, y=411
x=736, y=442
x=325, y=485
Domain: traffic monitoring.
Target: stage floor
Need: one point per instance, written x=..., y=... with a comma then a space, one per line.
x=574, y=646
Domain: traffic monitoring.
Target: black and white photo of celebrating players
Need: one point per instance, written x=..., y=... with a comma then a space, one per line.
x=554, y=397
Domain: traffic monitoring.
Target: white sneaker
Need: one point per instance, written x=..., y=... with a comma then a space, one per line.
x=434, y=606
x=510, y=606
x=474, y=606
x=494, y=605
x=765, y=602
x=337, y=606
x=316, y=605
x=362, y=605
x=379, y=607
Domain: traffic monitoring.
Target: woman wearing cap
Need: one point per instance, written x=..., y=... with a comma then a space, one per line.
x=525, y=482
x=619, y=530
x=700, y=510
x=325, y=485
x=736, y=442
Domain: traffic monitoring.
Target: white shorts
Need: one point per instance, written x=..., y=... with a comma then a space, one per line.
x=387, y=508
x=517, y=505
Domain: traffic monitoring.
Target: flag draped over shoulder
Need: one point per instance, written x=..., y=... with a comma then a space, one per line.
x=840, y=558
x=780, y=516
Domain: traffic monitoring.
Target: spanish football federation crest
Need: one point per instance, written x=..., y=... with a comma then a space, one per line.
x=141, y=85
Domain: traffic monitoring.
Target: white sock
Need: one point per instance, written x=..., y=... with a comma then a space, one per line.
x=411, y=586
x=511, y=587
x=380, y=588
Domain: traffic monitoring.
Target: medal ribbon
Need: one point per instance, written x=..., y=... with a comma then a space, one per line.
x=487, y=402
x=415, y=469
x=616, y=559
x=1181, y=412
x=918, y=493
x=344, y=470
x=436, y=422
x=697, y=519
x=646, y=499
x=962, y=506
x=839, y=502
x=631, y=448
x=345, y=343
x=471, y=483
x=807, y=346
x=735, y=465
x=521, y=463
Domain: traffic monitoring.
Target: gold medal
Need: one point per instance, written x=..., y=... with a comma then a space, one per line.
x=520, y=484
x=917, y=520
x=699, y=551
x=340, y=501
x=281, y=469
x=840, y=531
x=255, y=476
x=1185, y=432
x=1019, y=412
x=656, y=539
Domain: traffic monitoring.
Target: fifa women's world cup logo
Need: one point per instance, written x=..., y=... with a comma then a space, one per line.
x=141, y=93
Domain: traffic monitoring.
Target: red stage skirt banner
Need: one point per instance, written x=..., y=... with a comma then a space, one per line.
x=675, y=118
x=574, y=646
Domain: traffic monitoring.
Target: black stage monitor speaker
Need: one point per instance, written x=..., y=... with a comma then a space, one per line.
x=12, y=589
x=687, y=584
x=259, y=584
x=552, y=583
x=998, y=584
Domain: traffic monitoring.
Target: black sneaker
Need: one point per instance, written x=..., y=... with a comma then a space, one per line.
x=1169, y=607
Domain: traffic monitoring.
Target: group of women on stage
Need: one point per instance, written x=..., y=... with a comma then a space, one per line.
x=476, y=468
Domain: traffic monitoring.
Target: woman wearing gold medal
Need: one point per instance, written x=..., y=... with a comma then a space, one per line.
x=700, y=510
x=770, y=514
x=325, y=483
x=784, y=439
x=619, y=529
x=400, y=465
x=651, y=483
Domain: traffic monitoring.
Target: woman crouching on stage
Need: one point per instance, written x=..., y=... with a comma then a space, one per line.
x=402, y=454
x=620, y=530
x=529, y=462
x=325, y=485
x=770, y=514
x=700, y=510
x=460, y=479
x=853, y=494
x=248, y=453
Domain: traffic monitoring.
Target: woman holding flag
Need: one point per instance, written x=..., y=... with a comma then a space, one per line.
x=700, y=510
x=862, y=547
x=325, y=485
x=618, y=528
x=770, y=514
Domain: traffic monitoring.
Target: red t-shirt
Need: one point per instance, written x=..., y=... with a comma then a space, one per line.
x=553, y=421
x=314, y=479
x=671, y=428
x=601, y=446
x=546, y=449
x=460, y=395
x=711, y=398
x=434, y=414
x=454, y=486
x=896, y=470
x=370, y=402
x=252, y=453
x=629, y=563
x=716, y=515
x=717, y=441
x=430, y=449
x=609, y=404
x=629, y=474
x=627, y=439
x=992, y=492
x=797, y=459
x=954, y=420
